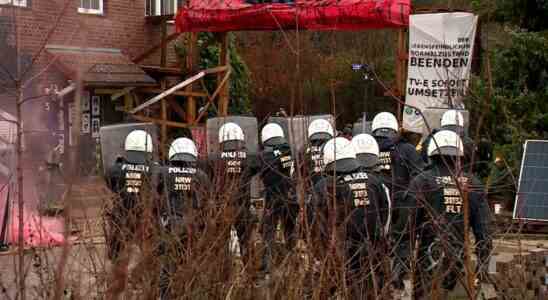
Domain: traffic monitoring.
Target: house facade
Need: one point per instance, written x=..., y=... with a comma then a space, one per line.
x=110, y=46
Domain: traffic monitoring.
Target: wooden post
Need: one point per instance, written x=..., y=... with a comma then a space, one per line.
x=163, y=53
x=224, y=60
x=401, y=54
x=192, y=61
x=163, y=137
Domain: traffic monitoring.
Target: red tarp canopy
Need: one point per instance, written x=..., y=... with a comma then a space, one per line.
x=234, y=15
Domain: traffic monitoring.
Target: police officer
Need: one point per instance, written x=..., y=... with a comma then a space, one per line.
x=280, y=203
x=367, y=154
x=184, y=189
x=130, y=179
x=438, y=194
x=355, y=201
x=319, y=132
x=399, y=162
x=235, y=168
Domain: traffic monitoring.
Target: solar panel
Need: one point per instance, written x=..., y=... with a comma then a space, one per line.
x=532, y=197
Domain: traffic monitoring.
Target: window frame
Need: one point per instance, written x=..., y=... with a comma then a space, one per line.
x=16, y=3
x=91, y=11
x=158, y=8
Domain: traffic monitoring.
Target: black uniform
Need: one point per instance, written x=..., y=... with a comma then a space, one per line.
x=280, y=202
x=234, y=170
x=440, y=222
x=181, y=213
x=361, y=207
x=314, y=160
x=399, y=162
x=130, y=182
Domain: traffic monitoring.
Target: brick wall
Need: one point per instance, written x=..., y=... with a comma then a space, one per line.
x=122, y=26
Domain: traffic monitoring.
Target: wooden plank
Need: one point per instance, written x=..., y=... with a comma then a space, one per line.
x=113, y=97
x=163, y=136
x=160, y=122
x=168, y=92
x=163, y=43
x=162, y=70
x=176, y=93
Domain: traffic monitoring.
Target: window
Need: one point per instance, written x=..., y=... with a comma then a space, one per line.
x=20, y=3
x=91, y=7
x=161, y=7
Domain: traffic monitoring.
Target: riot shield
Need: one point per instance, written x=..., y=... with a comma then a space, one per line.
x=113, y=138
x=433, y=119
x=248, y=125
x=296, y=128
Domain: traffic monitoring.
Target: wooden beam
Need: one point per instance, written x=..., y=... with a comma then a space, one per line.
x=160, y=122
x=191, y=110
x=163, y=43
x=168, y=92
x=121, y=93
x=163, y=136
x=163, y=53
x=224, y=60
x=191, y=63
x=176, y=93
x=162, y=70
x=221, y=86
x=400, y=70
x=212, y=98
x=214, y=70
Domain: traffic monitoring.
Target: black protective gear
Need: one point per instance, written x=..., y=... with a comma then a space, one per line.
x=233, y=170
x=182, y=216
x=436, y=197
x=360, y=203
x=399, y=162
x=314, y=161
x=128, y=181
x=277, y=169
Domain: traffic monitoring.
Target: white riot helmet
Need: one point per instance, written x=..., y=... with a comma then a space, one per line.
x=384, y=124
x=446, y=142
x=452, y=120
x=231, y=136
x=231, y=132
x=272, y=134
x=183, y=149
x=138, y=145
x=367, y=149
x=320, y=129
x=341, y=151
